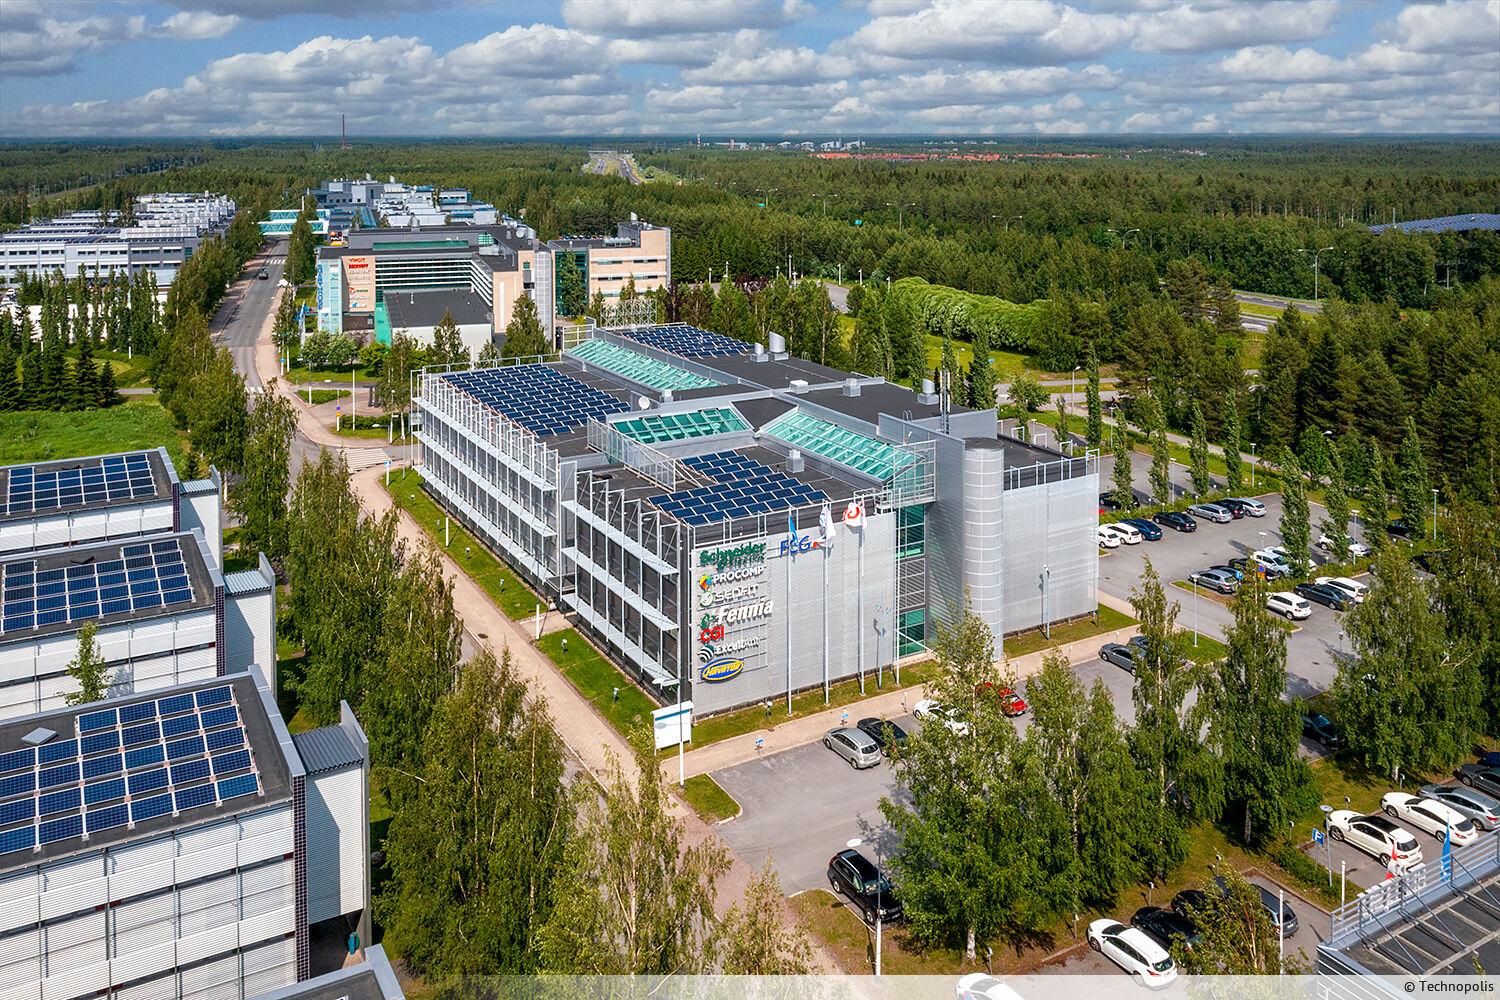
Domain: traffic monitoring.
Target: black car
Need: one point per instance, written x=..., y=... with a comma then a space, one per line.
x=884, y=732
x=851, y=874
x=1166, y=926
x=1481, y=776
x=1149, y=531
x=1400, y=529
x=1282, y=916
x=1176, y=520
x=1322, y=593
x=1107, y=502
x=264, y=274
x=1322, y=730
x=1243, y=566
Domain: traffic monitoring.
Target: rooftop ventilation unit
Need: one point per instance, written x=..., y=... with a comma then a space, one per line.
x=928, y=393
x=851, y=387
x=794, y=461
x=38, y=736
x=777, y=347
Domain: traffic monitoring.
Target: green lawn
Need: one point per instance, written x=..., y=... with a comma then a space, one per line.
x=301, y=374
x=367, y=428
x=1007, y=364
x=40, y=435
x=1206, y=649
x=622, y=704
x=316, y=396
x=709, y=801
x=748, y=720
x=1107, y=620
x=506, y=589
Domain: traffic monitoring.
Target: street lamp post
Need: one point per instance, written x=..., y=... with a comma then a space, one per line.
x=1434, y=514
x=1316, y=254
x=1195, y=611
x=1008, y=219
x=767, y=192
x=856, y=842
x=1046, y=583
x=1252, y=465
x=1327, y=842
x=901, y=208
x=1124, y=235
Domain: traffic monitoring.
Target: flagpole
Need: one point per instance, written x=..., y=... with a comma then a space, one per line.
x=859, y=597
x=791, y=549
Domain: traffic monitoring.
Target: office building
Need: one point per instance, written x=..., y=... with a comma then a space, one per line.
x=740, y=524
x=389, y=204
x=638, y=252
x=120, y=541
x=161, y=233
x=176, y=845
x=278, y=223
x=372, y=979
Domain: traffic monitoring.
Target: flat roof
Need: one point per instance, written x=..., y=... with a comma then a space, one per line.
x=874, y=399
x=424, y=309
x=53, y=591
x=103, y=729
x=43, y=489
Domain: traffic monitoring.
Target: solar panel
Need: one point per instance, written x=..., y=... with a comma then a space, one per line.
x=144, y=809
x=97, y=767
x=22, y=839
x=99, y=742
x=17, y=784
x=138, y=712
x=151, y=576
x=688, y=341
x=113, y=477
x=191, y=798
x=15, y=812
x=223, y=739
x=60, y=829
x=541, y=399
x=91, y=721
x=243, y=784
x=52, y=752
x=742, y=487
x=17, y=759
x=148, y=781
x=104, y=791
x=107, y=818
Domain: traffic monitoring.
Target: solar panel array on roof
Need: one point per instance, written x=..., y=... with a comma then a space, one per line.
x=744, y=486
x=148, y=575
x=126, y=764
x=687, y=341
x=1444, y=224
x=113, y=477
x=541, y=399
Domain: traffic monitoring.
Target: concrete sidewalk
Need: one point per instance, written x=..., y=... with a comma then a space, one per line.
x=782, y=734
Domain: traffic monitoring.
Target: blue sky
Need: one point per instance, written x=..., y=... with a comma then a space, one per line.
x=818, y=68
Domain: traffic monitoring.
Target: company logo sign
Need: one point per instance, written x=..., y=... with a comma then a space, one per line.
x=711, y=649
x=728, y=595
x=721, y=668
x=708, y=580
x=356, y=265
x=723, y=557
x=799, y=544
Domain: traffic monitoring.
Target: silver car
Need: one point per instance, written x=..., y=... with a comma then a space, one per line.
x=1212, y=512
x=1483, y=809
x=854, y=746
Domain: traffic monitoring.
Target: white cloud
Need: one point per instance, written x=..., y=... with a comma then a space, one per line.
x=37, y=40
x=1021, y=32
x=777, y=65
x=652, y=18
x=1454, y=26
x=1204, y=26
x=199, y=24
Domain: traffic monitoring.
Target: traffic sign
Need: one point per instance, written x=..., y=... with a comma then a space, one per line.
x=1317, y=836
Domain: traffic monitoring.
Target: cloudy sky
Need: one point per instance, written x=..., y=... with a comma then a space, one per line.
x=815, y=68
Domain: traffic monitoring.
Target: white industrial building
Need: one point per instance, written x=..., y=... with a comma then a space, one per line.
x=163, y=234
x=176, y=845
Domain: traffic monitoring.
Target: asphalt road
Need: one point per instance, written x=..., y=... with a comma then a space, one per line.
x=237, y=323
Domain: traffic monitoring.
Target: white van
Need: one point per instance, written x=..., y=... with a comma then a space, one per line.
x=1129, y=534
x=1353, y=588
x=1275, y=558
x=1288, y=604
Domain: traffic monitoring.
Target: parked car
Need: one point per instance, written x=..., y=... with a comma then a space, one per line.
x=1376, y=836
x=1149, y=531
x=1490, y=758
x=883, y=731
x=1323, y=731
x=1430, y=816
x=1353, y=588
x=1481, y=808
x=1011, y=704
x=1480, y=776
x=1108, y=539
x=1234, y=571
x=1356, y=550
x=1140, y=646
x=1128, y=534
x=1120, y=655
x=983, y=986
x=857, y=747
x=1212, y=512
x=1107, y=502
x=1251, y=565
x=1250, y=506
x=1400, y=529
x=1176, y=520
x=1133, y=950
x=852, y=875
x=1166, y=926
x=1284, y=602
x=1215, y=580
x=1273, y=558
x=1328, y=596
x=929, y=710
x=1191, y=901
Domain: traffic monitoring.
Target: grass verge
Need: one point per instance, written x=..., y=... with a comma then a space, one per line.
x=621, y=703
x=1203, y=649
x=845, y=692
x=504, y=587
x=42, y=435
x=1105, y=620
x=708, y=799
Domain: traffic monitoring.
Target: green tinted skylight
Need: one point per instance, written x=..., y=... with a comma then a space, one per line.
x=839, y=444
x=654, y=428
x=637, y=367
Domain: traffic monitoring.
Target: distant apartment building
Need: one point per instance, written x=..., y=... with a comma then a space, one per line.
x=395, y=279
x=165, y=231
x=371, y=204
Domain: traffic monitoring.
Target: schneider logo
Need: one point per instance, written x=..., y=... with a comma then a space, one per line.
x=719, y=558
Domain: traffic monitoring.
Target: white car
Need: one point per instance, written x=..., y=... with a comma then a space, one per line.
x=1377, y=837
x=1353, y=588
x=931, y=710
x=1288, y=604
x=1357, y=550
x=1251, y=506
x=1124, y=532
x=1430, y=816
x=1108, y=539
x=983, y=986
x=1275, y=558
x=1135, y=951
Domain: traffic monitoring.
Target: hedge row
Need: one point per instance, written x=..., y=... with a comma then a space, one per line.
x=949, y=312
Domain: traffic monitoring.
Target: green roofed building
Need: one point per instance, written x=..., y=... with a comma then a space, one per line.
x=657, y=428
x=638, y=368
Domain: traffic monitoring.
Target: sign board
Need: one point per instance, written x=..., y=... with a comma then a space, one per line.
x=1317, y=836
x=859, y=222
x=673, y=724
